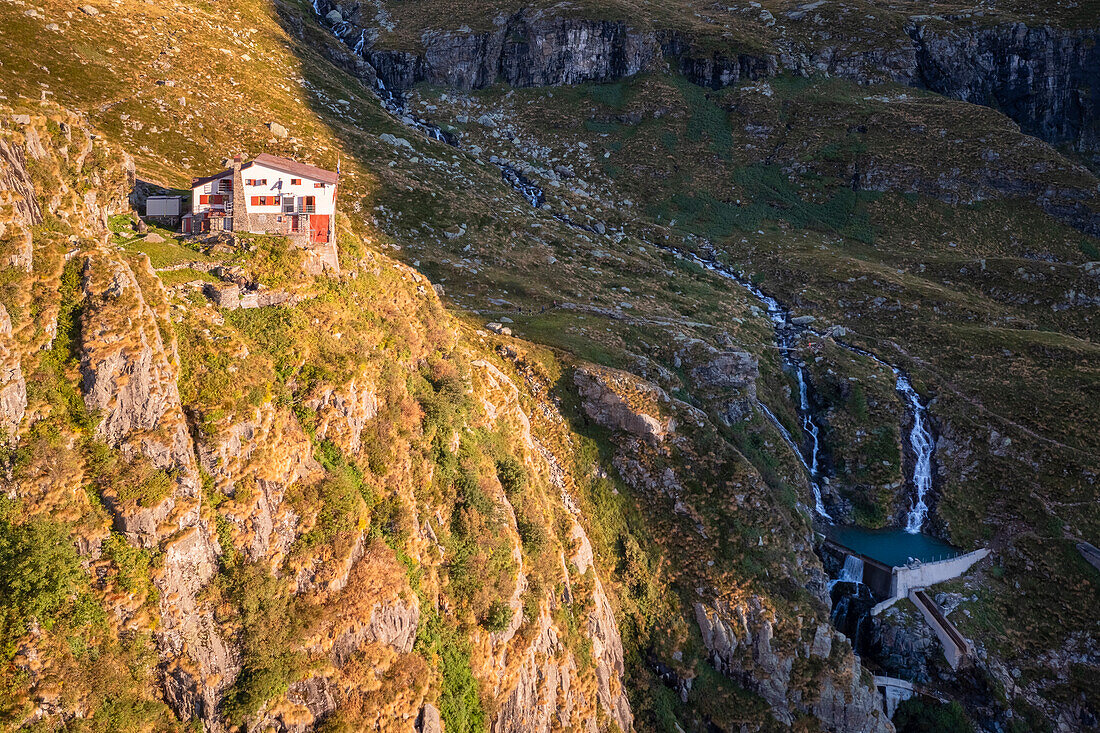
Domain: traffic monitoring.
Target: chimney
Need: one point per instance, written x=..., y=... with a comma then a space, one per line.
x=241, y=220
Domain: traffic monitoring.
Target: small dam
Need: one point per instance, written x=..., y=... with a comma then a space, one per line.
x=888, y=582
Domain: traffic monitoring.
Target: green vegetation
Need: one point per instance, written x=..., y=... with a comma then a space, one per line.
x=498, y=617
x=446, y=650
x=40, y=577
x=918, y=715
x=270, y=621
x=134, y=566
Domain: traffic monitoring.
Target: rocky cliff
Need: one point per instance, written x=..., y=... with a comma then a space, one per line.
x=292, y=566
x=1040, y=76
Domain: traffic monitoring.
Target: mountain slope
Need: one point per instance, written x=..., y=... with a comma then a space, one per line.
x=362, y=508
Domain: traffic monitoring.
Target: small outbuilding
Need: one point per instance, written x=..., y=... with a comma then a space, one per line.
x=167, y=208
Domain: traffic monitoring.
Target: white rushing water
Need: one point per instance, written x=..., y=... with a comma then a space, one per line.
x=852, y=572
x=808, y=425
x=920, y=441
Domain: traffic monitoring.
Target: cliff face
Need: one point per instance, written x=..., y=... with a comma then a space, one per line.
x=526, y=49
x=1039, y=76
x=745, y=635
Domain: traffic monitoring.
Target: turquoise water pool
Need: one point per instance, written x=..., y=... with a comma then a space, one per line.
x=891, y=546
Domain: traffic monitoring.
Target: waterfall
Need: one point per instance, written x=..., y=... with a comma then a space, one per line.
x=852, y=572
x=920, y=440
x=808, y=425
x=819, y=505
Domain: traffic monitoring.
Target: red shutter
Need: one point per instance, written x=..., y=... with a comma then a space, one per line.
x=255, y=200
x=204, y=199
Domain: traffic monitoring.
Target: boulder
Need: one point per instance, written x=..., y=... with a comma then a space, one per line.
x=614, y=399
x=278, y=130
x=395, y=141
x=429, y=721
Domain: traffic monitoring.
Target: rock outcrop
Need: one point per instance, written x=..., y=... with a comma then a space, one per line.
x=13, y=388
x=127, y=370
x=620, y=401
x=129, y=380
x=19, y=209
x=739, y=636
x=1038, y=76
x=343, y=413
x=254, y=460
x=607, y=645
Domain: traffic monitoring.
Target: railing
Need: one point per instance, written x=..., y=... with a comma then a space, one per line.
x=306, y=209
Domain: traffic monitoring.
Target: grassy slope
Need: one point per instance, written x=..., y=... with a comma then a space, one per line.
x=973, y=295
x=421, y=199
x=111, y=72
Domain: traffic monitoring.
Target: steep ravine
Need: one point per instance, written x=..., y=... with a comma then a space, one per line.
x=740, y=633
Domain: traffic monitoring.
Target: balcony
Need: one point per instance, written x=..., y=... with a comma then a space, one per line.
x=307, y=209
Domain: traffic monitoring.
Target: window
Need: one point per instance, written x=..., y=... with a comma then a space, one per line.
x=207, y=188
x=308, y=205
x=295, y=181
x=288, y=204
x=225, y=185
x=318, y=185
x=256, y=181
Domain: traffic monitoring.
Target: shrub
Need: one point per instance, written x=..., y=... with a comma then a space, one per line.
x=512, y=476
x=917, y=715
x=499, y=616
x=40, y=573
x=459, y=702
x=132, y=563
x=270, y=619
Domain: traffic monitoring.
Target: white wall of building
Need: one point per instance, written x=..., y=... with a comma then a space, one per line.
x=279, y=184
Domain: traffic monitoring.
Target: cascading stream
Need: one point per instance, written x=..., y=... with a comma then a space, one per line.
x=920, y=437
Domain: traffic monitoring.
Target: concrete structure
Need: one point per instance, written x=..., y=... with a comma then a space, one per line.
x=267, y=195
x=955, y=647
x=924, y=574
x=891, y=584
x=894, y=692
x=876, y=575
